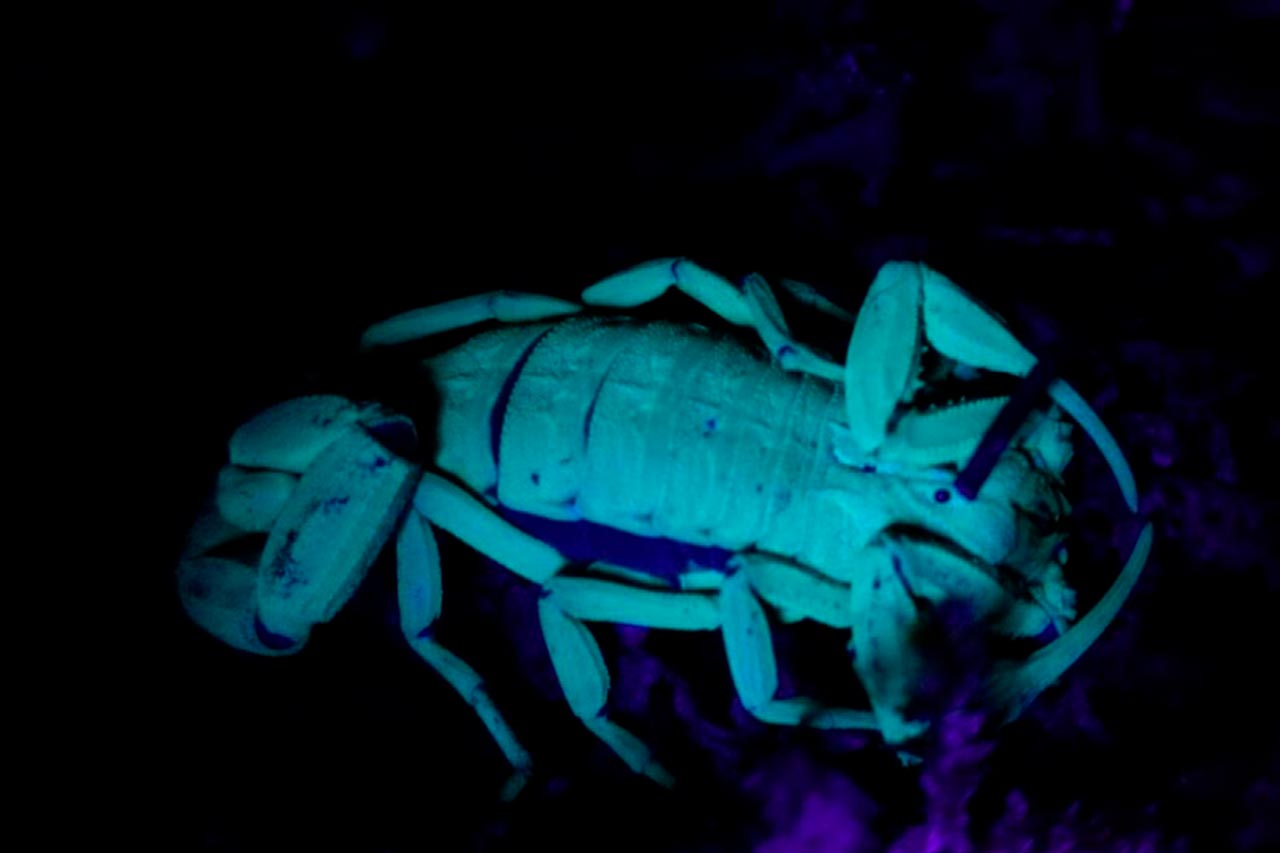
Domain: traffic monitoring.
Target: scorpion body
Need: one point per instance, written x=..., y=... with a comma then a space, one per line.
x=672, y=476
x=674, y=433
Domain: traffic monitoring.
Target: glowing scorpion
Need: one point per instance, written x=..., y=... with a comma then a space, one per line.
x=727, y=477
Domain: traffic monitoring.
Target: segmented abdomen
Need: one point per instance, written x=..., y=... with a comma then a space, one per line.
x=656, y=429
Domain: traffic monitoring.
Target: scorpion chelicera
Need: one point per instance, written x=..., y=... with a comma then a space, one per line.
x=727, y=476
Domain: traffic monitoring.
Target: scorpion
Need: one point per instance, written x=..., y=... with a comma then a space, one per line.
x=664, y=475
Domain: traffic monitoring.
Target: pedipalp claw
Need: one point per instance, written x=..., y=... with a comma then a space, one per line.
x=960, y=328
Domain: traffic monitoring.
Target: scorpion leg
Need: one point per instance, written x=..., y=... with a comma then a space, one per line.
x=807, y=294
x=599, y=600
x=418, y=582
x=584, y=677
x=691, y=580
x=905, y=589
x=502, y=305
x=885, y=615
x=749, y=648
x=577, y=659
x=456, y=510
x=753, y=306
x=798, y=592
x=769, y=323
x=645, y=282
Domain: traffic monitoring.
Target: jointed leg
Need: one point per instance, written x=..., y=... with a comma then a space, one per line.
x=420, y=601
x=798, y=592
x=752, y=664
x=502, y=305
x=753, y=305
x=886, y=613
x=766, y=316
x=645, y=282
x=806, y=294
x=600, y=600
x=456, y=510
x=581, y=670
x=577, y=659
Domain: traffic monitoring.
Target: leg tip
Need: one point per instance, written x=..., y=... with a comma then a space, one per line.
x=659, y=774
x=514, y=785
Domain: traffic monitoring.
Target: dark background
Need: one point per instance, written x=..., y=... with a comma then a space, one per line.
x=218, y=198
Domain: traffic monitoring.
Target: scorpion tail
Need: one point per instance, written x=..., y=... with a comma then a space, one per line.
x=1013, y=688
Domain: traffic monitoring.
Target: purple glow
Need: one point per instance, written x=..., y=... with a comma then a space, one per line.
x=809, y=808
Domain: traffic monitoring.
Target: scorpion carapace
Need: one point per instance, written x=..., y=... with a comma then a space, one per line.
x=665, y=475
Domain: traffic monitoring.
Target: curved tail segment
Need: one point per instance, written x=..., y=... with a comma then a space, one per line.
x=1012, y=689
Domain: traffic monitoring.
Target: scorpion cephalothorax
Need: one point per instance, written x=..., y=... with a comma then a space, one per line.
x=692, y=479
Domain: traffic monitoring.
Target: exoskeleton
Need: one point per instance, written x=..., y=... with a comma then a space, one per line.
x=670, y=476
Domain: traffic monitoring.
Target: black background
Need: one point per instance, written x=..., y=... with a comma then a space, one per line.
x=215, y=200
